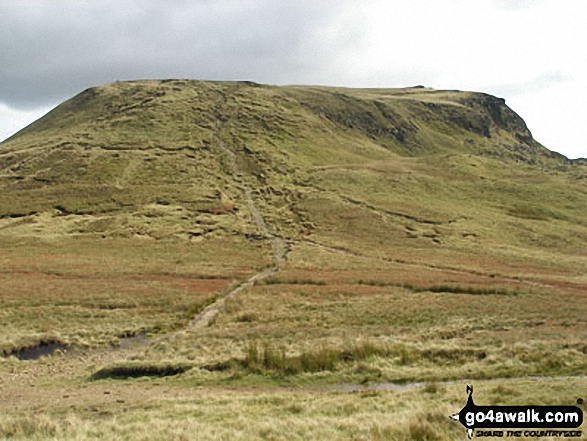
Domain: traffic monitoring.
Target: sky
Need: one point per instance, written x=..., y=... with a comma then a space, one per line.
x=530, y=52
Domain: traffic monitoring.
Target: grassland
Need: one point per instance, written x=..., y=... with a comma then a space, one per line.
x=429, y=242
x=158, y=410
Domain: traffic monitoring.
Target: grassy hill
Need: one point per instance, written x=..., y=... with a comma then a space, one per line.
x=253, y=236
x=142, y=159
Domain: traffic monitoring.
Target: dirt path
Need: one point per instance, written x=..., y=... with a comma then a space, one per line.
x=206, y=317
x=128, y=171
x=277, y=243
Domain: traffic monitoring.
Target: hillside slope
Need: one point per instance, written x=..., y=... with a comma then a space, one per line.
x=295, y=176
x=144, y=159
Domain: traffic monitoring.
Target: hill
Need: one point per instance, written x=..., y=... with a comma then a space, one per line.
x=241, y=237
x=151, y=148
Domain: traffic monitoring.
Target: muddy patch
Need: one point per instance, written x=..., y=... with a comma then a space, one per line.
x=136, y=370
x=43, y=349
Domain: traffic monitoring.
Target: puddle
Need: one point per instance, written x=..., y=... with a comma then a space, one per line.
x=43, y=349
x=136, y=370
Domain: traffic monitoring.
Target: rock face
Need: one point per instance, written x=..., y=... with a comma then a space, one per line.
x=499, y=114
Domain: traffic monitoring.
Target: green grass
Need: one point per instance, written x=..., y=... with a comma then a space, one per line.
x=268, y=359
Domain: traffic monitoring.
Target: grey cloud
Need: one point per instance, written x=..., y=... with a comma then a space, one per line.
x=517, y=4
x=533, y=85
x=52, y=50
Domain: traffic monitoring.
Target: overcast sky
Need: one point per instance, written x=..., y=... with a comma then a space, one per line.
x=531, y=52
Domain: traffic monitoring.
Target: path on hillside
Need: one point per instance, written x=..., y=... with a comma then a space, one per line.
x=277, y=243
x=131, y=167
x=206, y=317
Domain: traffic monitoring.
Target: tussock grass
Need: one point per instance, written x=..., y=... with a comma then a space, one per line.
x=268, y=358
x=462, y=290
x=280, y=281
x=453, y=289
x=29, y=427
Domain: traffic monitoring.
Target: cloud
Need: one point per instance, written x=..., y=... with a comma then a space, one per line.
x=51, y=50
x=531, y=86
x=11, y=121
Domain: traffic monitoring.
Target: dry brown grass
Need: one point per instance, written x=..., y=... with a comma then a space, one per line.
x=88, y=293
x=162, y=410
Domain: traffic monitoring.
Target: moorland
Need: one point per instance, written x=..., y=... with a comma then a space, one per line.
x=229, y=260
